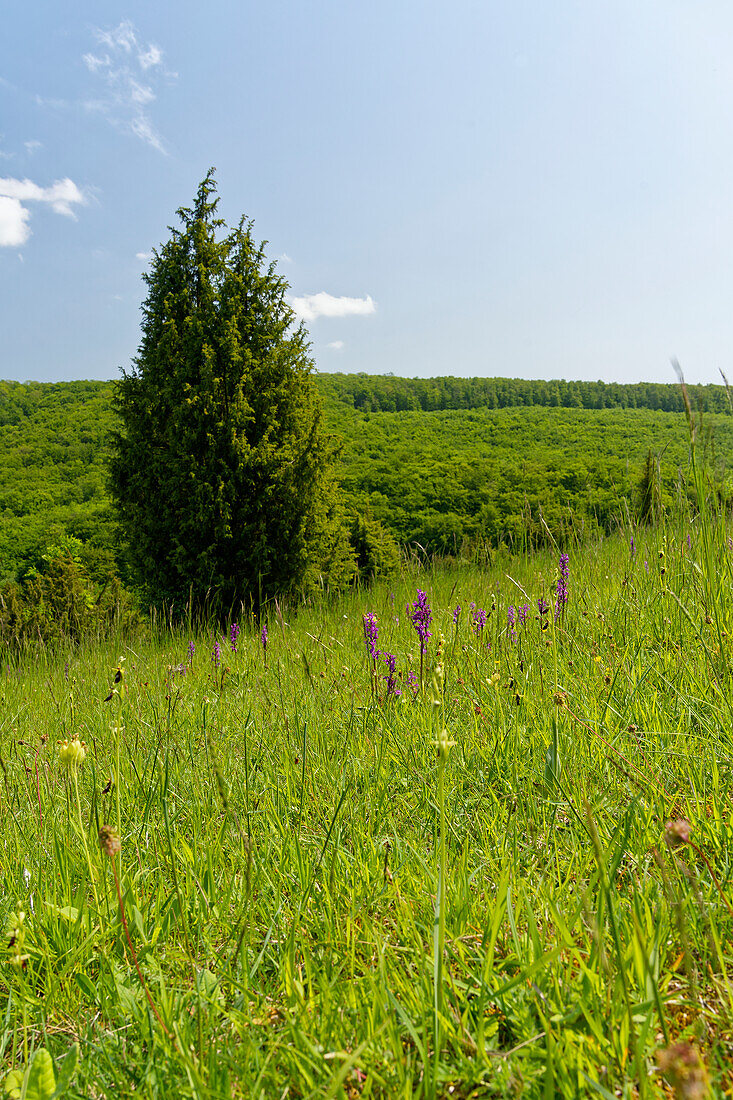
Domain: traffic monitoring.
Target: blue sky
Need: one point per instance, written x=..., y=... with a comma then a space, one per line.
x=538, y=190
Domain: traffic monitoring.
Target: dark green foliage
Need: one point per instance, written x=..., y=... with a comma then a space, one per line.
x=220, y=472
x=386, y=393
x=71, y=594
x=377, y=552
x=53, y=445
x=463, y=478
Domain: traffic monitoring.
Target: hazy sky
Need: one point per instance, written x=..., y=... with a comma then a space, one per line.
x=539, y=190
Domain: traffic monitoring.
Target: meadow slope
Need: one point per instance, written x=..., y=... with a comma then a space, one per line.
x=513, y=878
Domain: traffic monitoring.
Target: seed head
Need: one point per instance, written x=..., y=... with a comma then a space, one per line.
x=109, y=841
x=677, y=832
x=685, y=1070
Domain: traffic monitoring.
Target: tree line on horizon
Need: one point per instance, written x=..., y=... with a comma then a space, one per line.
x=393, y=393
x=397, y=393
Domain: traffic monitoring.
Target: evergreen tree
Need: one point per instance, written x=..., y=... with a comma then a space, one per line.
x=221, y=472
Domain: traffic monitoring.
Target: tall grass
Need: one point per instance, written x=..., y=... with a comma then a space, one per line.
x=314, y=897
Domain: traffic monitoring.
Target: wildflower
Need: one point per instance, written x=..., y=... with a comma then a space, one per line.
x=542, y=606
x=478, y=618
x=392, y=688
x=562, y=586
x=191, y=650
x=422, y=617
x=510, y=622
x=233, y=635
x=16, y=939
x=456, y=613
x=522, y=614
x=263, y=637
x=216, y=655
x=371, y=633
x=633, y=547
x=72, y=754
x=444, y=744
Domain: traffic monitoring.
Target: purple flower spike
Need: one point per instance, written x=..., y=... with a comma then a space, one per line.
x=478, y=619
x=542, y=606
x=233, y=635
x=522, y=613
x=562, y=586
x=263, y=637
x=216, y=655
x=422, y=617
x=371, y=633
x=391, y=679
x=456, y=613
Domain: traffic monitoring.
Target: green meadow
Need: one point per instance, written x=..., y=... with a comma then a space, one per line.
x=505, y=871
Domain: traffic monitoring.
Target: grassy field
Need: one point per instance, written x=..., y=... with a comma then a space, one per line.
x=512, y=878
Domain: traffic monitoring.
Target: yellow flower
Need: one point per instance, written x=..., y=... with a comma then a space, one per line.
x=72, y=753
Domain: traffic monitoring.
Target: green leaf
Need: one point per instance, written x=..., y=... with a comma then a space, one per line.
x=66, y=1071
x=12, y=1085
x=68, y=912
x=86, y=985
x=41, y=1081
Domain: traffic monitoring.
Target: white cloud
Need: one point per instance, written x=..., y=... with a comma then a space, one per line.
x=283, y=258
x=128, y=70
x=15, y=230
x=336, y=345
x=150, y=57
x=62, y=194
x=31, y=146
x=144, y=256
x=311, y=306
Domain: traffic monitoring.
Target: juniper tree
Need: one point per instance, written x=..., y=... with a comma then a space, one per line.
x=221, y=469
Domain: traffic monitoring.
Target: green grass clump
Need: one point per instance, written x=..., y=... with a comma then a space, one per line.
x=511, y=879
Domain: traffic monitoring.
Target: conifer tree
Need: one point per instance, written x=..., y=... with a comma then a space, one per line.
x=221, y=470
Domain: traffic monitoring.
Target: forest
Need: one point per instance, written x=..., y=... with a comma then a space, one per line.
x=447, y=465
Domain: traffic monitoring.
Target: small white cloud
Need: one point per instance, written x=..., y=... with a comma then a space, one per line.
x=311, y=306
x=150, y=57
x=14, y=228
x=121, y=38
x=283, y=258
x=61, y=196
x=128, y=70
x=336, y=345
x=32, y=146
x=144, y=256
